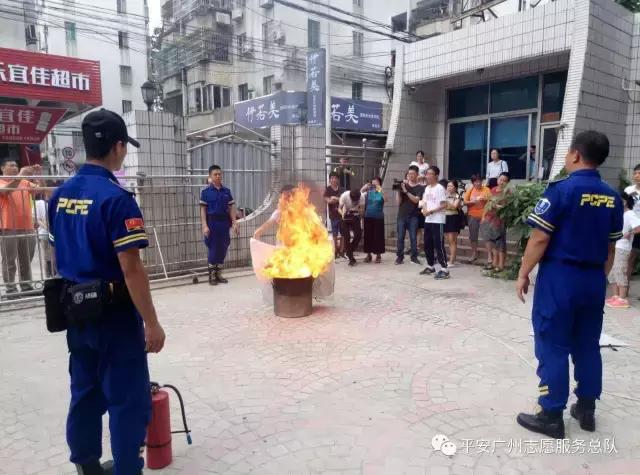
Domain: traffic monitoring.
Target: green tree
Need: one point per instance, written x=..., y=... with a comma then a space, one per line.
x=633, y=5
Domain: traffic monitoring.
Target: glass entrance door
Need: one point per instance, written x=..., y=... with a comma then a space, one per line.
x=547, y=148
x=510, y=136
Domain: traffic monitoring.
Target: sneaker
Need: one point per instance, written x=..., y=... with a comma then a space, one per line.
x=610, y=300
x=399, y=261
x=415, y=260
x=442, y=275
x=378, y=259
x=352, y=263
x=428, y=271
x=618, y=303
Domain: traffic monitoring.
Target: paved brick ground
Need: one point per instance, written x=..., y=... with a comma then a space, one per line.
x=362, y=386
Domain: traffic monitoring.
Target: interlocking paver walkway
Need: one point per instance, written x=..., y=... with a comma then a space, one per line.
x=361, y=386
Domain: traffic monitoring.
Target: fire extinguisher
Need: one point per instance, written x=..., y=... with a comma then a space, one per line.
x=158, y=443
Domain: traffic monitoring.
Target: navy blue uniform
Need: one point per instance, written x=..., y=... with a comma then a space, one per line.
x=583, y=215
x=92, y=219
x=218, y=203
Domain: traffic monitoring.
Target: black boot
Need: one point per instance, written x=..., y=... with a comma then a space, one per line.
x=219, y=278
x=94, y=468
x=544, y=422
x=212, y=275
x=584, y=411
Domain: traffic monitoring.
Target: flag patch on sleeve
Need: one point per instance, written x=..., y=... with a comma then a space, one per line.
x=134, y=224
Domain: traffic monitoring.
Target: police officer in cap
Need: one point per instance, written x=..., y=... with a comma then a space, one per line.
x=575, y=226
x=97, y=230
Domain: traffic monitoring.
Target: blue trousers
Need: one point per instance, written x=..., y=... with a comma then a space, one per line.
x=109, y=372
x=567, y=320
x=218, y=241
x=408, y=223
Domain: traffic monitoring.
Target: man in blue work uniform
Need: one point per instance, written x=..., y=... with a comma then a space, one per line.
x=576, y=224
x=218, y=217
x=97, y=230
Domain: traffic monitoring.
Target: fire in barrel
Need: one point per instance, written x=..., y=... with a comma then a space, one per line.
x=305, y=253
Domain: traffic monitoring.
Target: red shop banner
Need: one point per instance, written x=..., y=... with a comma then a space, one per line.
x=49, y=77
x=25, y=124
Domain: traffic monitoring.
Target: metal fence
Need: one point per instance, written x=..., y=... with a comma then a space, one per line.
x=170, y=206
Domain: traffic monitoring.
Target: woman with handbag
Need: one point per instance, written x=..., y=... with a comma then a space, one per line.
x=454, y=222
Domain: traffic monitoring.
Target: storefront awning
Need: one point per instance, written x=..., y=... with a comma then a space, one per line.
x=39, y=90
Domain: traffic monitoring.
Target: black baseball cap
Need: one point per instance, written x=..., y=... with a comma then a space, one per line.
x=103, y=129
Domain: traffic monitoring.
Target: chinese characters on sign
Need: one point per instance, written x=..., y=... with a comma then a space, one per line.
x=316, y=64
x=363, y=116
x=275, y=109
x=39, y=76
x=27, y=125
x=25, y=74
x=541, y=446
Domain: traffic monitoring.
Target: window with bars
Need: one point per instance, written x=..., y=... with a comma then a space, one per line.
x=123, y=40
x=121, y=6
x=219, y=45
x=358, y=43
x=357, y=3
x=313, y=33
x=211, y=97
x=267, y=85
x=126, y=75
x=356, y=90
x=127, y=106
x=243, y=92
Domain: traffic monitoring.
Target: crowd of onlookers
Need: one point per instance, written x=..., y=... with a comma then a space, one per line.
x=23, y=225
x=430, y=209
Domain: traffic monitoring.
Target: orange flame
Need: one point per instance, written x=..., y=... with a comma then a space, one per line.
x=306, y=249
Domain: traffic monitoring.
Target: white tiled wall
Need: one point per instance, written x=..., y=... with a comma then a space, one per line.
x=546, y=30
x=602, y=104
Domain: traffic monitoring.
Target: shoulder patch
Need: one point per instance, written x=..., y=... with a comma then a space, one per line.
x=542, y=206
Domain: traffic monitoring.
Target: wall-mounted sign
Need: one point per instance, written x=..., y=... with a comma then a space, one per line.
x=316, y=87
x=356, y=115
x=25, y=124
x=280, y=108
x=49, y=77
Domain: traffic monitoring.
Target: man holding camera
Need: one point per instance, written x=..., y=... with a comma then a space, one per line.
x=408, y=195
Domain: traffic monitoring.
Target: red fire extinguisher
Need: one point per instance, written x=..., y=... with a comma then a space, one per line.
x=158, y=443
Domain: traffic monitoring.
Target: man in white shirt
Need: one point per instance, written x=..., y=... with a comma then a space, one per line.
x=433, y=205
x=496, y=167
x=350, y=207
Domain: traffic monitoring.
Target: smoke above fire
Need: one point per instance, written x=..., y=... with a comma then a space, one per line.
x=305, y=249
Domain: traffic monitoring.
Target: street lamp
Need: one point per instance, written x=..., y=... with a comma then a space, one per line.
x=148, y=94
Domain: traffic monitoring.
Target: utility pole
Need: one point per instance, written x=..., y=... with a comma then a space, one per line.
x=327, y=100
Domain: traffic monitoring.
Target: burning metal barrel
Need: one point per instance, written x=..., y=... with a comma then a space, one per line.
x=292, y=298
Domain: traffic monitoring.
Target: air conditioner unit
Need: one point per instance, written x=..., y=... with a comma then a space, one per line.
x=266, y=3
x=278, y=37
x=247, y=49
x=237, y=14
x=31, y=34
x=223, y=18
